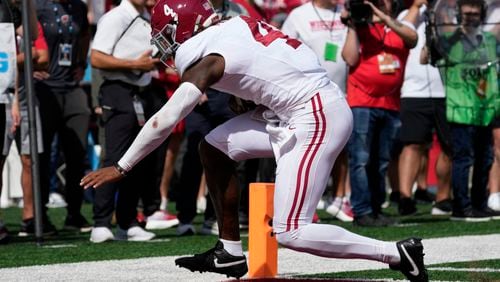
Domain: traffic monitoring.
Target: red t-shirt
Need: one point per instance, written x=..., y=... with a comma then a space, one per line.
x=366, y=86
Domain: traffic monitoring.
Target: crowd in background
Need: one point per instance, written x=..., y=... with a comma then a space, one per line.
x=400, y=102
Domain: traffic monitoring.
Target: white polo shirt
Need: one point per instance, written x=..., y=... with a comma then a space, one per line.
x=317, y=27
x=110, y=36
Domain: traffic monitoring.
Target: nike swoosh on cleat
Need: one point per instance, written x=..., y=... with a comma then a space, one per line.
x=415, y=271
x=227, y=264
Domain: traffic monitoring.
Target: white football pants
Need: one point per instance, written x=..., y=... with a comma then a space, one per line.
x=305, y=147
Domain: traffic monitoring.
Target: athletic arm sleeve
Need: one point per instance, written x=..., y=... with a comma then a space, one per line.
x=161, y=124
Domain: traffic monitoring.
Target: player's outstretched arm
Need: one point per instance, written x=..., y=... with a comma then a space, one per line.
x=195, y=80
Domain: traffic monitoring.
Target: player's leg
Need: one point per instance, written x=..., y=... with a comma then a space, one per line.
x=238, y=139
x=302, y=174
x=301, y=178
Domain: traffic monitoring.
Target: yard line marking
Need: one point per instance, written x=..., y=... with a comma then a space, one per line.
x=458, y=269
x=158, y=240
x=59, y=246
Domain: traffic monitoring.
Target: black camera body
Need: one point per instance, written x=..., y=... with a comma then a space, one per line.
x=360, y=13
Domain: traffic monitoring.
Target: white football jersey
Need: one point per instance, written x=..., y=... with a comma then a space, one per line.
x=261, y=63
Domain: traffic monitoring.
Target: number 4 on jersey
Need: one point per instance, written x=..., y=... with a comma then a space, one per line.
x=256, y=27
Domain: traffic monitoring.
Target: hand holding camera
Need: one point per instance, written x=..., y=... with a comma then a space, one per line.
x=359, y=13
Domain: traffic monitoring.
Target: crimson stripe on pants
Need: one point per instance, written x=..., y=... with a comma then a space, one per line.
x=322, y=123
x=299, y=183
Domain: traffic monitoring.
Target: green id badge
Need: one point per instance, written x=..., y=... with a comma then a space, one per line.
x=331, y=52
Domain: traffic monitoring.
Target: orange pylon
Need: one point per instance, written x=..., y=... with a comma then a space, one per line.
x=262, y=245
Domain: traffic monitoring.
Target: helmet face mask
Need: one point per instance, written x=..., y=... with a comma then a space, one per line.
x=165, y=42
x=175, y=21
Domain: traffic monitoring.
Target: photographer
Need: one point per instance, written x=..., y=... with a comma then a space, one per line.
x=469, y=65
x=376, y=51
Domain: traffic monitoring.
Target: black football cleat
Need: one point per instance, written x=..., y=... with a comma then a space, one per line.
x=215, y=260
x=412, y=260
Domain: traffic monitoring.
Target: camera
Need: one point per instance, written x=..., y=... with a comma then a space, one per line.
x=360, y=13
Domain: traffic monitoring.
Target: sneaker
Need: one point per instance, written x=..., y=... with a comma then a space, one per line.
x=494, y=201
x=423, y=196
x=321, y=204
x=470, y=215
x=412, y=260
x=4, y=234
x=495, y=215
x=28, y=228
x=216, y=260
x=77, y=223
x=443, y=207
x=386, y=220
x=394, y=197
x=368, y=220
x=185, y=229
x=161, y=220
x=101, y=234
x=341, y=209
x=134, y=233
x=407, y=206
x=56, y=200
x=210, y=227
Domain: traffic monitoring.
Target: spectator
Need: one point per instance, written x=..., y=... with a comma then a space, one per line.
x=493, y=17
x=376, y=54
x=121, y=51
x=318, y=25
x=150, y=196
x=63, y=103
x=8, y=74
x=472, y=101
x=40, y=63
x=423, y=112
x=494, y=197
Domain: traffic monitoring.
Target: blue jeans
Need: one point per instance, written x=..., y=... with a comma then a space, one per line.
x=370, y=148
x=472, y=146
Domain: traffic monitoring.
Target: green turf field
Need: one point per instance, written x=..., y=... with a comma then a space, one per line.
x=72, y=247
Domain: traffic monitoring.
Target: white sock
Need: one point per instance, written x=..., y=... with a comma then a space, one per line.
x=232, y=247
x=163, y=204
x=391, y=253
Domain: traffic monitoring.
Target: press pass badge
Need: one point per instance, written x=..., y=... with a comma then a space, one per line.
x=330, y=52
x=386, y=63
x=139, y=111
x=65, y=53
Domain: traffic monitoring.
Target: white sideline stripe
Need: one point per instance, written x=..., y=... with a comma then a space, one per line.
x=439, y=250
x=463, y=269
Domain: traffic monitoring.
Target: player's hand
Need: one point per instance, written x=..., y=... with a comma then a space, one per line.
x=100, y=177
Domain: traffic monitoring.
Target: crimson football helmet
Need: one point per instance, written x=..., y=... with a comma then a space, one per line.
x=175, y=21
